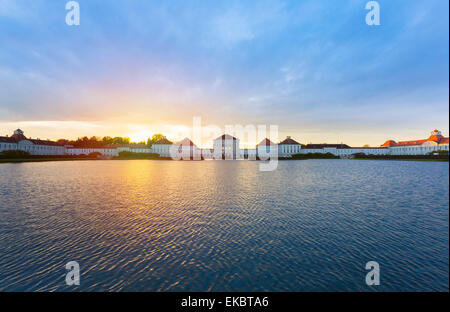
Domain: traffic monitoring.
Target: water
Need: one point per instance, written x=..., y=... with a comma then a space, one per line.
x=224, y=226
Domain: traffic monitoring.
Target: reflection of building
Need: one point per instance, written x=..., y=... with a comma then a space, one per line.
x=227, y=146
x=19, y=142
x=162, y=147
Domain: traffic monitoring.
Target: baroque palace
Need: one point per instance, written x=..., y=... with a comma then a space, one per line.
x=227, y=146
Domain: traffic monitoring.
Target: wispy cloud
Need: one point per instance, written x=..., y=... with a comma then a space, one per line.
x=300, y=64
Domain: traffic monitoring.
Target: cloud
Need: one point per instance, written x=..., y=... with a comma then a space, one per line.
x=289, y=62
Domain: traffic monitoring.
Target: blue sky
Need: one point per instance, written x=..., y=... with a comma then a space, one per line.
x=314, y=68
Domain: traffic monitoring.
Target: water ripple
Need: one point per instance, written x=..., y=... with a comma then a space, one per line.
x=224, y=226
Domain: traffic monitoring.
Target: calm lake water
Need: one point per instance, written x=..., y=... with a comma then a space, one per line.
x=224, y=226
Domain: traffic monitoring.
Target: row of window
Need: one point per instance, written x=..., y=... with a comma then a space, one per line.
x=6, y=146
x=290, y=149
x=88, y=151
x=422, y=148
x=284, y=149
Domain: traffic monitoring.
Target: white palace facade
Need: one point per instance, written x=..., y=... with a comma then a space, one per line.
x=18, y=142
x=227, y=147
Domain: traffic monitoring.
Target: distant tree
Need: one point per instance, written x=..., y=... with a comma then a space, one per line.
x=366, y=145
x=155, y=138
x=107, y=140
x=86, y=142
x=63, y=142
x=95, y=142
x=119, y=140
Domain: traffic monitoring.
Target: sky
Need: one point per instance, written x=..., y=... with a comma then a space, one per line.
x=314, y=68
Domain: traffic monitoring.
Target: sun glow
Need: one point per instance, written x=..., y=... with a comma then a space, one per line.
x=140, y=136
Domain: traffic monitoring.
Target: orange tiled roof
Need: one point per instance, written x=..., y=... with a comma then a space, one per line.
x=18, y=137
x=388, y=143
x=408, y=143
x=435, y=137
x=7, y=140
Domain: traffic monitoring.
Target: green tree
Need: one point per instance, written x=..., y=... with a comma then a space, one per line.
x=107, y=140
x=119, y=140
x=63, y=142
x=155, y=138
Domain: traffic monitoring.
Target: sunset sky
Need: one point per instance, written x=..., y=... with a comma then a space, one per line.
x=314, y=68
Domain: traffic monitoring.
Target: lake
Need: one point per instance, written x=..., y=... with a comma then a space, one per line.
x=142, y=225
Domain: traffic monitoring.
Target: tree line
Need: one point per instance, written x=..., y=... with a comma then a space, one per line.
x=96, y=142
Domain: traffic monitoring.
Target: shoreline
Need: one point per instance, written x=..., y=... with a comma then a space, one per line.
x=46, y=159
x=26, y=160
x=402, y=159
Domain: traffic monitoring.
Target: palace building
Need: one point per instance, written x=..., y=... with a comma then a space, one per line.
x=227, y=147
x=186, y=150
x=105, y=151
x=19, y=142
x=435, y=142
x=288, y=147
x=162, y=147
x=265, y=148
